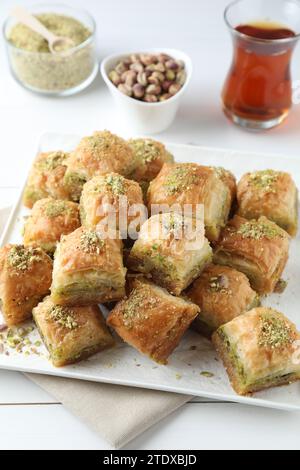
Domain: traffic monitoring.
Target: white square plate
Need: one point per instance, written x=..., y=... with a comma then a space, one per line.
x=125, y=366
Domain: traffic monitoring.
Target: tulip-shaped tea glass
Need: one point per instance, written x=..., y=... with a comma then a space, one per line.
x=258, y=90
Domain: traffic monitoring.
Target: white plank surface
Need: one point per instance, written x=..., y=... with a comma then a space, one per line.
x=197, y=28
x=194, y=426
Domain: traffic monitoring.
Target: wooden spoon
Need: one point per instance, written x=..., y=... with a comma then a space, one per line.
x=56, y=43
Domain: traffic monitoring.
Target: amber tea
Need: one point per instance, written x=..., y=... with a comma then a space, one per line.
x=258, y=88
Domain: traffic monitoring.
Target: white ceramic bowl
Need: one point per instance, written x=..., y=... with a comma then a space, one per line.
x=146, y=118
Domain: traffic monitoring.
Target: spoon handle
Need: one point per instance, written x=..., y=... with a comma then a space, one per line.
x=29, y=20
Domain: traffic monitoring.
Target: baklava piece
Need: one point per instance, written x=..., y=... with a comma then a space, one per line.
x=258, y=248
x=71, y=333
x=257, y=349
x=172, y=250
x=272, y=194
x=151, y=320
x=46, y=178
x=98, y=154
x=150, y=155
x=25, y=278
x=189, y=183
x=49, y=219
x=87, y=269
x=222, y=294
x=228, y=179
x=107, y=196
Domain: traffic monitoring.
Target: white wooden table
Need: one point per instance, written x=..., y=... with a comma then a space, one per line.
x=30, y=418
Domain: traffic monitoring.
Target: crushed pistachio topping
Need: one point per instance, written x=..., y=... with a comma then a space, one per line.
x=264, y=180
x=90, y=242
x=64, y=316
x=219, y=284
x=274, y=332
x=116, y=184
x=220, y=171
x=207, y=374
x=146, y=150
x=56, y=208
x=258, y=229
x=52, y=161
x=136, y=306
x=104, y=144
x=180, y=178
x=21, y=258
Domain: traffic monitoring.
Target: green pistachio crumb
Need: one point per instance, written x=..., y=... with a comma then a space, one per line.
x=274, y=332
x=264, y=180
x=207, y=374
x=52, y=161
x=64, y=316
x=146, y=150
x=180, y=178
x=21, y=258
x=136, y=306
x=56, y=208
x=90, y=242
x=116, y=183
x=257, y=230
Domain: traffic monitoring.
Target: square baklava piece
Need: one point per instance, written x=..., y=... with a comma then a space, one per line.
x=49, y=219
x=110, y=196
x=272, y=194
x=228, y=179
x=152, y=320
x=258, y=350
x=258, y=248
x=46, y=178
x=166, y=250
x=87, y=269
x=149, y=155
x=97, y=154
x=25, y=278
x=222, y=293
x=71, y=334
x=188, y=183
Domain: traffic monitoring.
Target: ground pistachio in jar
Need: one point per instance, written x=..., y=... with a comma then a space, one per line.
x=36, y=67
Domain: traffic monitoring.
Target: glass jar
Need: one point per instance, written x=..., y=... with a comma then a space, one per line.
x=54, y=74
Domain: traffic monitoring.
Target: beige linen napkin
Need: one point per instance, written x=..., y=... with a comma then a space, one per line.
x=117, y=413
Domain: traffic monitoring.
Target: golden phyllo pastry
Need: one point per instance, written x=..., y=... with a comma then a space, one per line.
x=172, y=249
x=98, y=154
x=272, y=194
x=49, y=219
x=258, y=350
x=87, y=269
x=151, y=320
x=46, y=178
x=25, y=278
x=228, y=179
x=150, y=155
x=258, y=248
x=189, y=183
x=71, y=333
x=108, y=196
x=222, y=294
